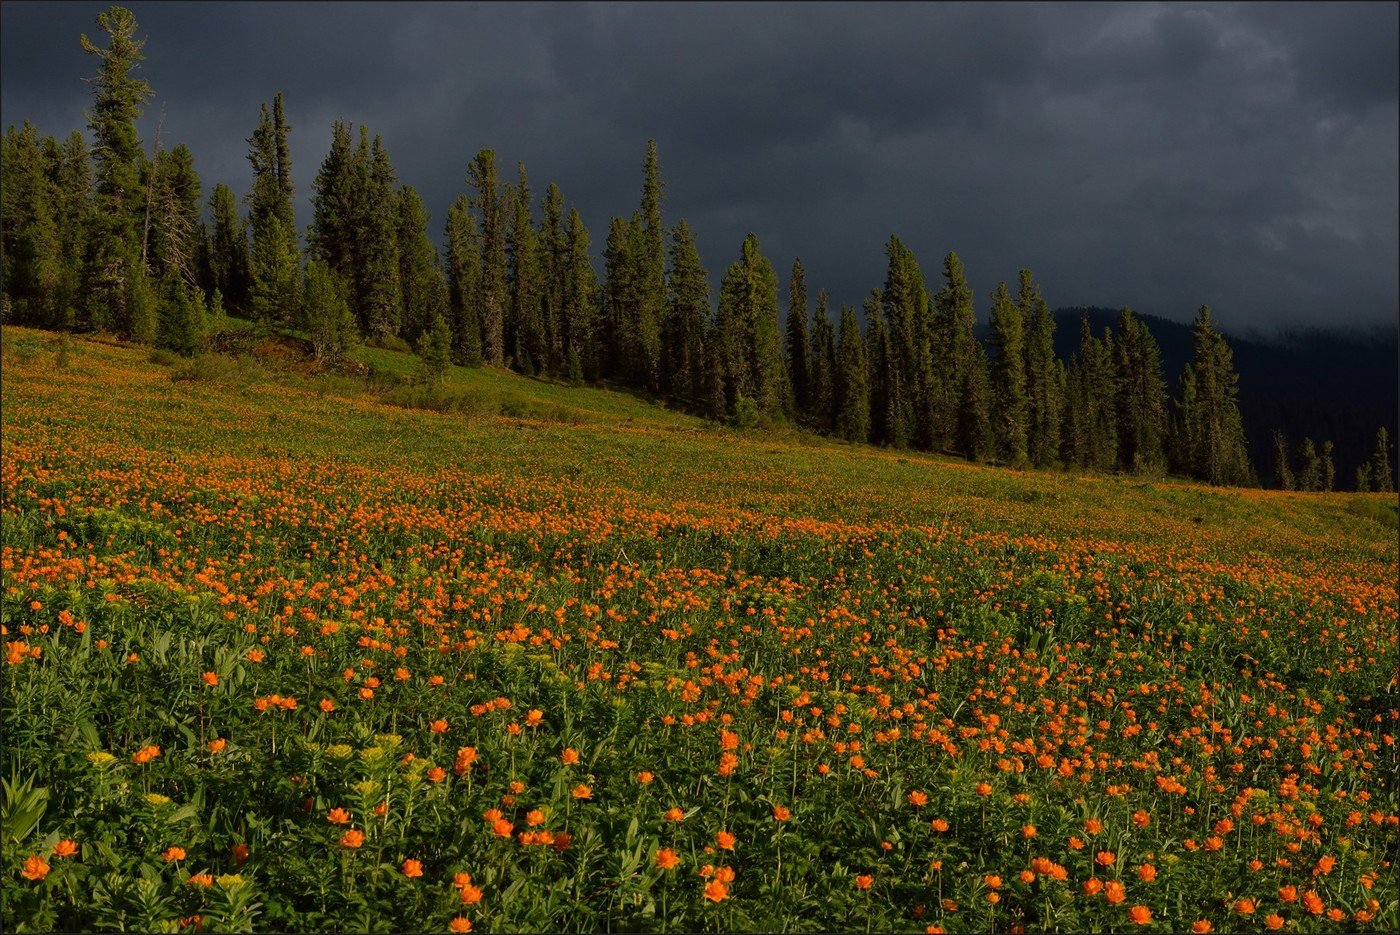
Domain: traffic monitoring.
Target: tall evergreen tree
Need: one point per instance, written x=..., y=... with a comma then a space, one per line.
x=1211, y=443
x=333, y=235
x=1363, y=479
x=1092, y=440
x=325, y=312
x=798, y=351
x=687, y=318
x=1329, y=468
x=580, y=315
x=435, y=349
x=274, y=263
x=228, y=250
x=952, y=351
x=621, y=292
x=651, y=271
x=1283, y=474
x=524, y=334
x=423, y=291
x=464, y=283
x=1009, y=410
x=182, y=316
x=378, y=260
x=974, y=406
x=748, y=330
x=552, y=247
x=492, y=300
x=33, y=253
x=850, y=391
x=882, y=375
x=1044, y=395
x=822, y=366
x=1310, y=467
x=115, y=288
x=175, y=232
x=907, y=364
x=1141, y=396
x=1382, y=476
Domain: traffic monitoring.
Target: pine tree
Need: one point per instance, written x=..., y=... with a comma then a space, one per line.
x=70, y=178
x=880, y=374
x=325, y=312
x=1141, y=396
x=798, y=351
x=1044, y=395
x=748, y=320
x=617, y=337
x=182, y=316
x=33, y=253
x=974, y=407
x=423, y=291
x=715, y=403
x=1329, y=469
x=1283, y=474
x=1009, y=410
x=850, y=391
x=1092, y=440
x=581, y=321
x=1382, y=476
x=274, y=265
x=112, y=275
x=552, y=249
x=687, y=318
x=907, y=364
x=1310, y=470
x=464, y=283
x=435, y=349
x=175, y=231
x=492, y=300
x=952, y=351
x=378, y=253
x=336, y=192
x=651, y=271
x=1211, y=445
x=228, y=249
x=822, y=366
x=1363, y=479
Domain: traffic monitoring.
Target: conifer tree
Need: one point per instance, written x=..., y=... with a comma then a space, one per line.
x=581, y=320
x=33, y=253
x=822, y=367
x=274, y=264
x=1329, y=468
x=463, y=283
x=523, y=332
x=492, y=300
x=1211, y=445
x=651, y=271
x=907, y=362
x=1310, y=467
x=1044, y=395
x=1283, y=474
x=336, y=192
x=850, y=391
x=622, y=286
x=715, y=402
x=435, y=349
x=228, y=249
x=1382, y=476
x=181, y=315
x=1363, y=479
x=1093, y=437
x=175, y=231
x=552, y=246
x=1141, y=396
x=687, y=317
x=798, y=351
x=423, y=291
x=952, y=351
x=378, y=253
x=880, y=373
x=974, y=407
x=325, y=312
x=70, y=180
x=748, y=319
x=1009, y=411
x=112, y=275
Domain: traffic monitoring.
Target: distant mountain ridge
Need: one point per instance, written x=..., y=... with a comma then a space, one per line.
x=1325, y=384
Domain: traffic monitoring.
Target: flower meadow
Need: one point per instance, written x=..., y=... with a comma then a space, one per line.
x=280, y=659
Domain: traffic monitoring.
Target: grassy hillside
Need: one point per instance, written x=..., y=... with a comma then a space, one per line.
x=583, y=663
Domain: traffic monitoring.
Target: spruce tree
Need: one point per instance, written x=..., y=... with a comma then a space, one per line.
x=1329, y=468
x=581, y=325
x=33, y=253
x=552, y=249
x=1141, y=396
x=1310, y=467
x=748, y=317
x=1211, y=445
x=952, y=351
x=423, y=291
x=325, y=312
x=112, y=275
x=274, y=266
x=622, y=284
x=974, y=407
x=798, y=351
x=1363, y=479
x=1044, y=395
x=378, y=252
x=336, y=192
x=850, y=391
x=181, y=315
x=907, y=364
x=1283, y=474
x=822, y=366
x=228, y=250
x=175, y=223
x=651, y=271
x=523, y=332
x=1009, y=410
x=69, y=169
x=881, y=376
x=1382, y=476
x=435, y=349
x=492, y=299
x=464, y=283
x=687, y=318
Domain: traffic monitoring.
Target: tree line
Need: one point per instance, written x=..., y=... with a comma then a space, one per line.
x=109, y=238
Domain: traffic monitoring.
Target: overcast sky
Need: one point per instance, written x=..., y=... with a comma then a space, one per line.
x=1158, y=156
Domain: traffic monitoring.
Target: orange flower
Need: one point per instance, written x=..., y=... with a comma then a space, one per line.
x=338, y=816
x=675, y=814
x=437, y=774
x=561, y=841
x=1114, y=892
x=725, y=840
x=864, y=881
x=1028, y=831
x=438, y=727
x=1201, y=927
x=1245, y=906
x=716, y=892
x=1105, y=858
x=534, y=817
x=459, y=924
x=534, y=717
x=327, y=705
x=1027, y=876
x=382, y=809
x=1147, y=873
x=352, y=838
x=1093, y=826
x=644, y=777
x=1092, y=886
x=1141, y=915
x=1313, y=902
x=1273, y=921
x=992, y=880
x=412, y=868
x=217, y=745
x=1141, y=818
x=569, y=756
x=145, y=755
x=502, y=828
x=240, y=853
x=35, y=868
x=210, y=678
x=781, y=813
x=984, y=788
x=255, y=655
x=173, y=853
x=201, y=879
x=469, y=894
x=939, y=824
x=1288, y=894
x=917, y=799
x=65, y=848
x=1325, y=865
x=582, y=792
x=666, y=858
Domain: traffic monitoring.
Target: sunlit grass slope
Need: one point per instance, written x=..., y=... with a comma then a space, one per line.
x=282, y=656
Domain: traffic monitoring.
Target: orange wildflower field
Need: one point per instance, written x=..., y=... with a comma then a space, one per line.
x=283, y=658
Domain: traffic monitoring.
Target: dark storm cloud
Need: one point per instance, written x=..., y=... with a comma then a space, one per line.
x=1161, y=156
